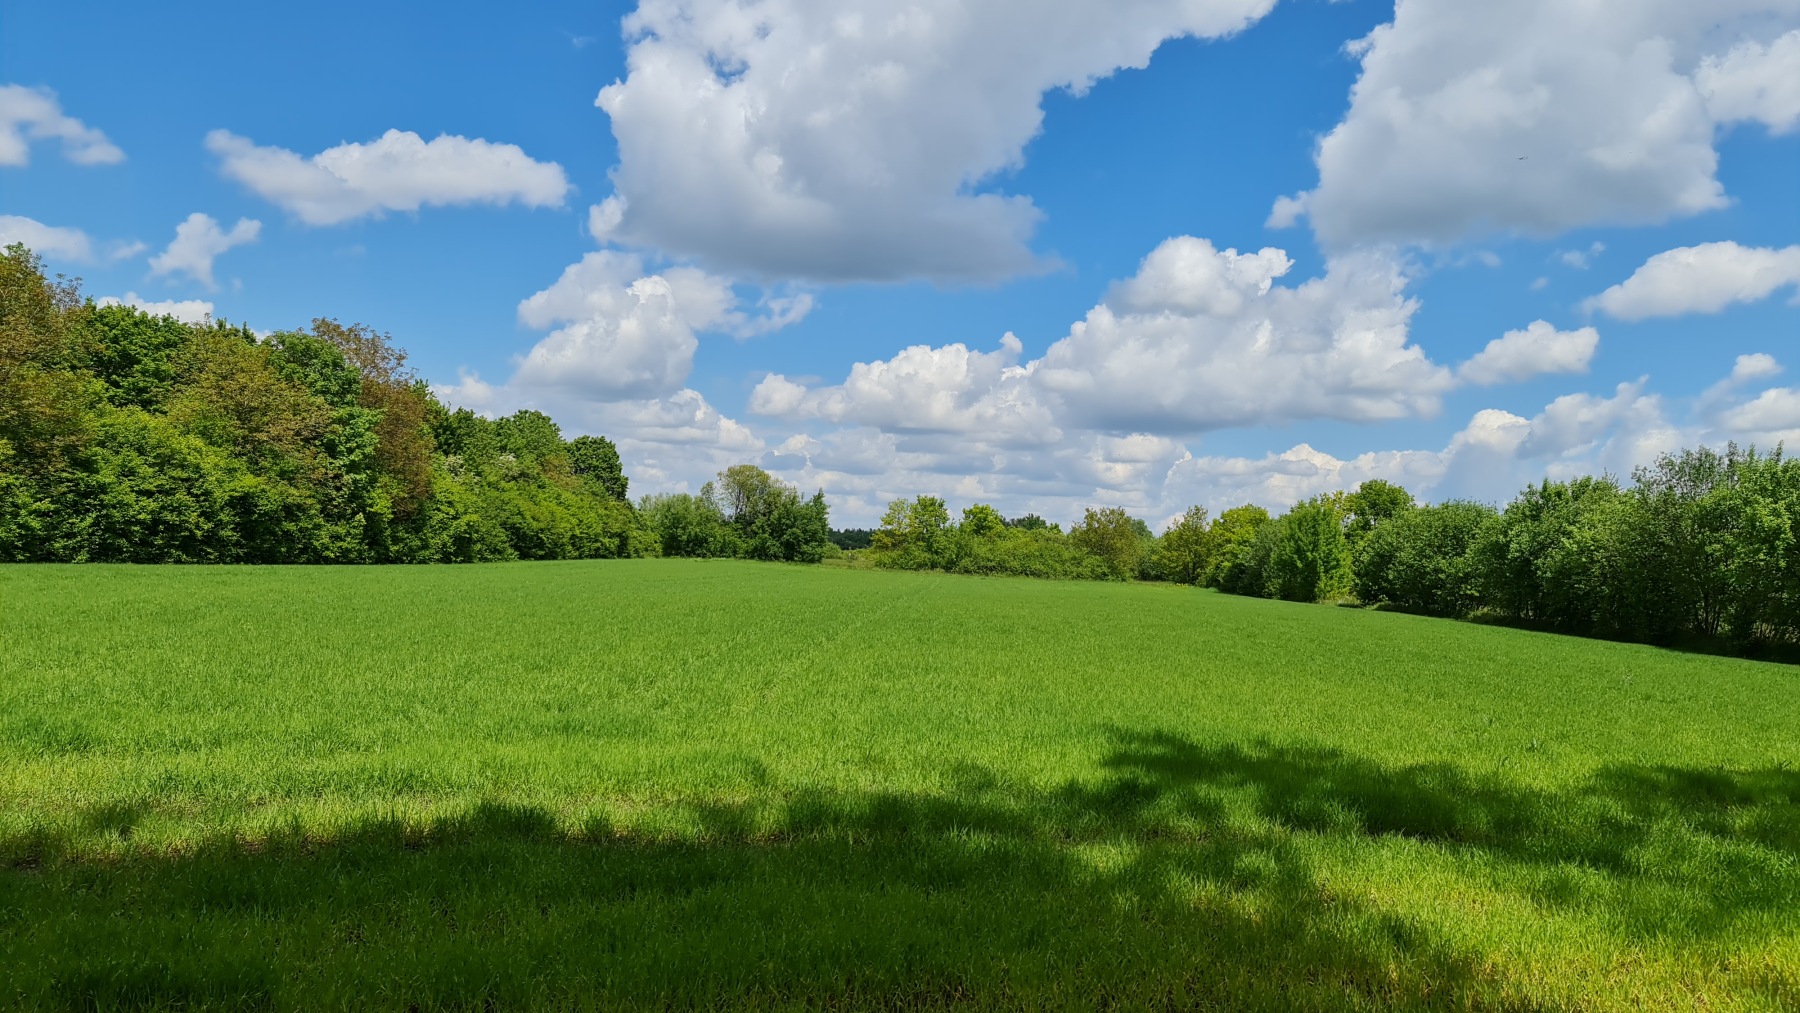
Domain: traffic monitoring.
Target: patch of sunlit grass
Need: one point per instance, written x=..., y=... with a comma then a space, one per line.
x=684, y=784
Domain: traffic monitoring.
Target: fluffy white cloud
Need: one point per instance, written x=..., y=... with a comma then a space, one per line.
x=1199, y=339
x=1755, y=82
x=54, y=242
x=849, y=139
x=951, y=389
x=191, y=311
x=1202, y=339
x=1700, y=279
x=1536, y=350
x=34, y=114
x=198, y=242
x=1537, y=116
x=1494, y=456
x=624, y=333
x=622, y=342
x=398, y=171
x=1774, y=415
x=1580, y=259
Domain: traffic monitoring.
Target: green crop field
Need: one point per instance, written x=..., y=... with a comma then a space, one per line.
x=677, y=784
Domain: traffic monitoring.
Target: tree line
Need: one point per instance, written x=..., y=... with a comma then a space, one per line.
x=126, y=437
x=1703, y=546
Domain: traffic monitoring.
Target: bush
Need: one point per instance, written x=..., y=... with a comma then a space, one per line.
x=1423, y=559
x=1308, y=557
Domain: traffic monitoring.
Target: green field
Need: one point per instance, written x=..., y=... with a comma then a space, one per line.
x=673, y=783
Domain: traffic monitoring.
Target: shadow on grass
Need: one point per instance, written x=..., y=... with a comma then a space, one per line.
x=1185, y=876
x=1775, y=652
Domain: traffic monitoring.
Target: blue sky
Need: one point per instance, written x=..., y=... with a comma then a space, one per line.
x=1493, y=245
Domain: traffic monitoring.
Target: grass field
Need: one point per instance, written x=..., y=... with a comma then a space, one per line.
x=653, y=784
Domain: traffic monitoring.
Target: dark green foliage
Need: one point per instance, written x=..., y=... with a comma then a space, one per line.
x=852, y=538
x=1423, y=560
x=1703, y=548
x=132, y=438
x=747, y=514
x=596, y=458
x=687, y=525
x=1240, y=548
x=917, y=535
x=137, y=356
x=529, y=436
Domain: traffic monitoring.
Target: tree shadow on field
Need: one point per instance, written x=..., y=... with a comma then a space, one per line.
x=1183, y=876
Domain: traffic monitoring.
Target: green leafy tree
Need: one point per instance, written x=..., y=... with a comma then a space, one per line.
x=1229, y=556
x=1515, y=552
x=136, y=356
x=1030, y=522
x=45, y=395
x=1112, y=536
x=529, y=436
x=1423, y=560
x=983, y=521
x=1185, y=549
x=1374, y=503
x=745, y=492
x=596, y=457
x=687, y=525
x=1310, y=558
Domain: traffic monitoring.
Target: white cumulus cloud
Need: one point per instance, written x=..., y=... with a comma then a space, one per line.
x=621, y=344
x=34, y=114
x=1199, y=339
x=198, y=242
x=1537, y=116
x=1491, y=458
x=189, y=311
x=623, y=333
x=398, y=171
x=1202, y=339
x=1700, y=279
x=1774, y=413
x=851, y=139
x=1538, y=349
x=924, y=389
x=1755, y=82
x=54, y=242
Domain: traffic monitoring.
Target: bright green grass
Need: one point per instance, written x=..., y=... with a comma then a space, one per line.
x=710, y=784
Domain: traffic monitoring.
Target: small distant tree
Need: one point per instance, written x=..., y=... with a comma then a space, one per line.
x=1374, y=503
x=1186, y=548
x=1114, y=537
x=1228, y=543
x=1310, y=559
x=687, y=525
x=1029, y=522
x=983, y=521
x=912, y=533
x=746, y=491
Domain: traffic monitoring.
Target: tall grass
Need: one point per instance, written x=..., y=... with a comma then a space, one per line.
x=645, y=784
